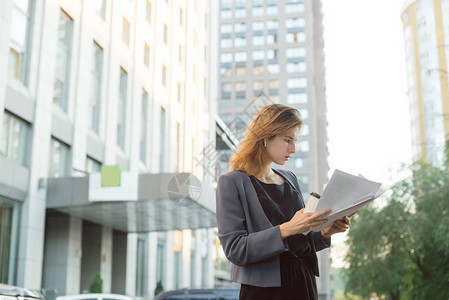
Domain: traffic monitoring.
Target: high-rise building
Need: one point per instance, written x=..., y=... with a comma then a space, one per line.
x=426, y=32
x=272, y=52
x=106, y=108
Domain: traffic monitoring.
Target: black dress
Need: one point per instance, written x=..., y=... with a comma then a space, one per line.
x=280, y=203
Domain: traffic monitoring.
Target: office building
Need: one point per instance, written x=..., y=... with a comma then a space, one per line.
x=94, y=84
x=426, y=36
x=272, y=52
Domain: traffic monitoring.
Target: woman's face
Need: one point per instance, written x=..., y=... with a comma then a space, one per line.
x=281, y=146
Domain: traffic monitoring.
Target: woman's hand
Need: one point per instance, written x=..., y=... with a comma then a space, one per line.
x=302, y=222
x=338, y=226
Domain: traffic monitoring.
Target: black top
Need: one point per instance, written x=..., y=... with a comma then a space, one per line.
x=280, y=203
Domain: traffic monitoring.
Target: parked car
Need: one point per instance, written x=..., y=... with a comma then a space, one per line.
x=10, y=292
x=201, y=294
x=94, y=296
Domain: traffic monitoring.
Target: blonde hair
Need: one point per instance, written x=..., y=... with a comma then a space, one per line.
x=271, y=120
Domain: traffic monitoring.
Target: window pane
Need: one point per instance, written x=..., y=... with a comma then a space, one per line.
x=295, y=98
x=58, y=158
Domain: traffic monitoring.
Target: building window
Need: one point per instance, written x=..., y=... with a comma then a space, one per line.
x=226, y=43
x=272, y=39
x=226, y=4
x=100, y=7
x=258, y=40
x=297, y=67
x=240, y=27
x=297, y=98
x=258, y=55
x=121, y=112
x=179, y=53
x=273, y=68
x=240, y=86
x=95, y=96
x=272, y=25
x=226, y=14
x=226, y=71
x=226, y=57
x=296, y=52
x=144, y=127
x=258, y=11
x=272, y=54
x=240, y=56
x=60, y=90
x=126, y=28
x=240, y=71
x=148, y=11
x=59, y=156
x=293, y=83
x=304, y=113
x=258, y=26
x=293, y=37
x=305, y=129
x=9, y=216
x=295, y=23
x=258, y=70
x=146, y=56
x=272, y=10
x=165, y=34
x=240, y=41
x=14, y=139
x=273, y=84
x=226, y=28
x=226, y=87
x=258, y=85
x=19, y=36
x=300, y=162
x=225, y=102
x=293, y=8
x=164, y=75
x=92, y=165
x=303, y=146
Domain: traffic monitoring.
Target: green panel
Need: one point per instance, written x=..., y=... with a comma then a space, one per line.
x=110, y=176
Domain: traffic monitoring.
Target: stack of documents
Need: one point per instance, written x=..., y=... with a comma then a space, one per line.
x=344, y=194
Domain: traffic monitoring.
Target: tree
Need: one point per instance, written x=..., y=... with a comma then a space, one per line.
x=402, y=249
x=97, y=284
x=159, y=288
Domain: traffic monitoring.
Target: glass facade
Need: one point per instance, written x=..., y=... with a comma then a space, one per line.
x=59, y=159
x=122, y=105
x=60, y=86
x=19, y=39
x=95, y=96
x=14, y=139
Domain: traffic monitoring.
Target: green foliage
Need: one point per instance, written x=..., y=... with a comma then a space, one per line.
x=159, y=288
x=96, y=285
x=402, y=249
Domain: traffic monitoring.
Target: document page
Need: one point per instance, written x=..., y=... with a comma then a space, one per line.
x=344, y=194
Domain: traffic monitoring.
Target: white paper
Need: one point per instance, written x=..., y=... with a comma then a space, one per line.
x=344, y=194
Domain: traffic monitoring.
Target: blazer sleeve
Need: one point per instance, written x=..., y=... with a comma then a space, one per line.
x=320, y=242
x=241, y=247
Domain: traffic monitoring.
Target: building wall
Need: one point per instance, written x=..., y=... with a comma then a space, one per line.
x=290, y=72
x=176, y=74
x=426, y=37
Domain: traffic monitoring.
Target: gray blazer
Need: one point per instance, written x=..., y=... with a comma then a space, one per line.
x=249, y=240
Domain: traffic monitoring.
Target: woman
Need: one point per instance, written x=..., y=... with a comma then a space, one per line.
x=260, y=214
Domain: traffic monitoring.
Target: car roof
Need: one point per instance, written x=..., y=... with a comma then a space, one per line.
x=186, y=291
x=11, y=290
x=94, y=295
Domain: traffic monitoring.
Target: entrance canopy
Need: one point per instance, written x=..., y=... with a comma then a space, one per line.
x=140, y=203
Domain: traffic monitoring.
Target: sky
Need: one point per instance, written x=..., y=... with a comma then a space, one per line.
x=368, y=112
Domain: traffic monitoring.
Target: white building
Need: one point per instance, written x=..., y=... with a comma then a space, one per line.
x=106, y=82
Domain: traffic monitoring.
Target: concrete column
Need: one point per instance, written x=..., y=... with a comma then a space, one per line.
x=131, y=254
x=91, y=260
x=119, y=249
x=106, y=259
x=62, y=254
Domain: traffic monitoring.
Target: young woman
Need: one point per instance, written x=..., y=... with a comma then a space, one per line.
x=260, y=214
